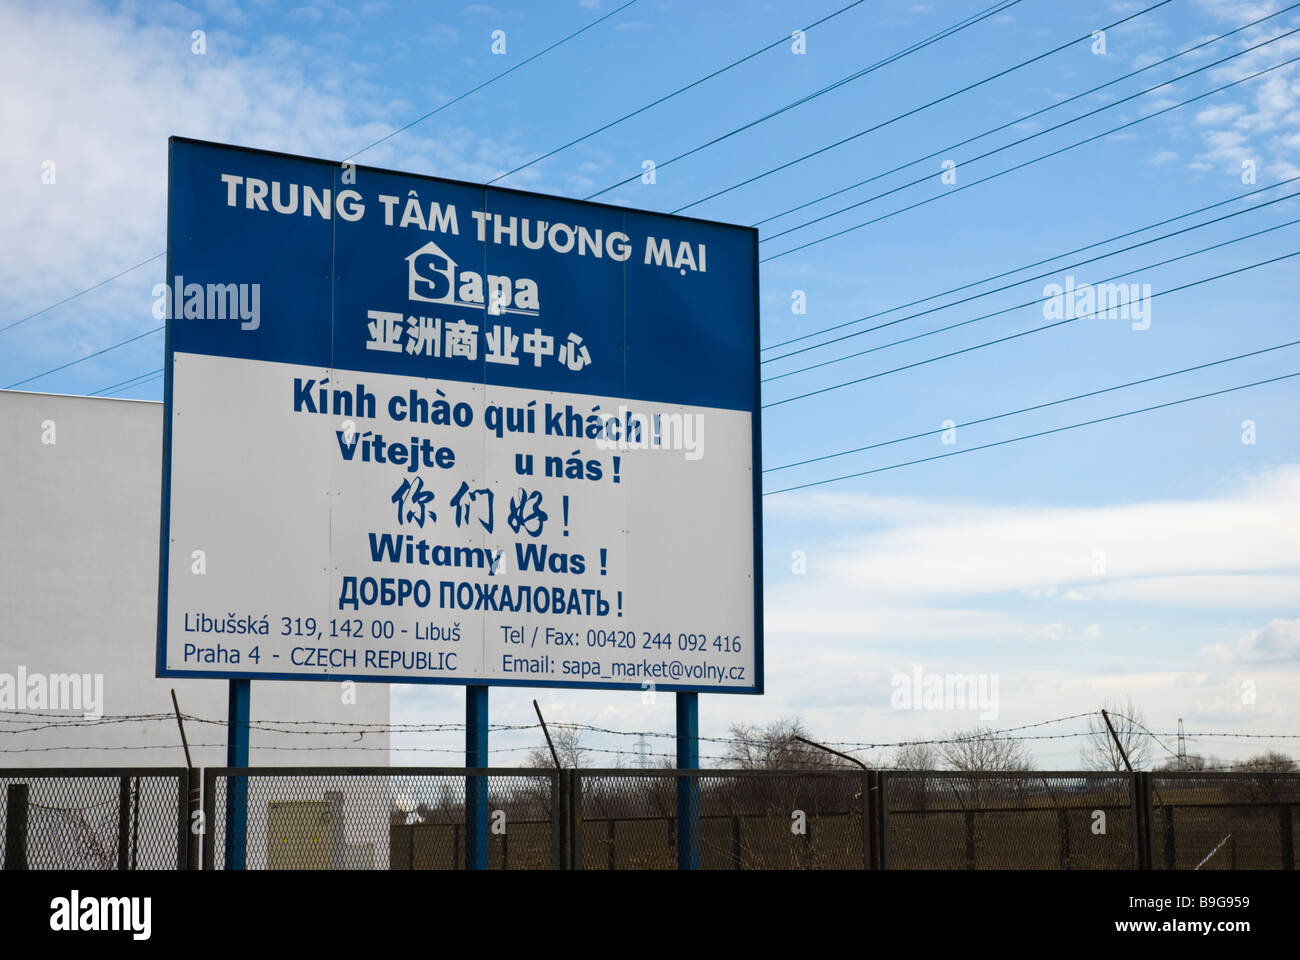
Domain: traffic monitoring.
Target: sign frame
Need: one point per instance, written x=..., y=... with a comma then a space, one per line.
x=162, y=671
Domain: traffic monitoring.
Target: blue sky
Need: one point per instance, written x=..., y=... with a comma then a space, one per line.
x=981, y=562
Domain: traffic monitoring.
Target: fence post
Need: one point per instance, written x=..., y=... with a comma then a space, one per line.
x=559, y=820
x=575, y=820
x=735, y=842
x=476, y=788
x=688, y=786
x=187, y=845
x=969, y=817
x=1171, y=852
x=868, y=820
x=238, y=712
x=194, y=841
x=1141, y=807
x=1285, y=837
x=209, y=820
x=1063, y=831
x=882, y=819
x=123, y=821
x=16, y=832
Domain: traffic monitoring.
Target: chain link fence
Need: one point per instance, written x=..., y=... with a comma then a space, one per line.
x=378, y=819
x=89, y=819
x=1008, y=821
x=409, y=818
x=748, y=820
x=1224, y=821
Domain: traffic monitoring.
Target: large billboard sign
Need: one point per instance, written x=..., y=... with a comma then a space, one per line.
x=424, y=431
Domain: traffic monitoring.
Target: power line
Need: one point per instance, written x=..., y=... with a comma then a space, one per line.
x=1007, y=273
x=941, y=35
x=143, y=378
x=1023, y=333
x=1033, y=136
x=93, y=286
x=669, y=96
x=968, y=140
x=823, y=363
x=1019, y=306
x=900, y=116
x=143, y=382
x=407, y=126
x=1008, y=286
x=1037, y=406
x=376, y=143
x=492, y=80
x=89, y=356
x=1021, y=166
x=1041, y=433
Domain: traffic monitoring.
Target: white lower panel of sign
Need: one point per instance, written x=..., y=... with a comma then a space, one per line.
x=327, y=523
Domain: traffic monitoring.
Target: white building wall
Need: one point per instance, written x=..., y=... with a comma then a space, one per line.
x=79, y=524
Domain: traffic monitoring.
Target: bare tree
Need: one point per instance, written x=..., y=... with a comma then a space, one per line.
x=1099, y=750
x=915, y=756
x=1191, y=762
x=774, y=747
x=982, y=749
x=1270, y=761
x=568, y=744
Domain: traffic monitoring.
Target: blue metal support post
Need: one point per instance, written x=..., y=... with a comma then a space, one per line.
x=237, y=787
x=476, y=788
x=688, y=788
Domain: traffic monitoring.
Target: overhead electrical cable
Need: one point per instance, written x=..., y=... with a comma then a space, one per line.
x=1032, y=436
x=875, y=66
x=1039, y=300
x=1011, y=123
x=376, y=143
x=1025, y=333
x=1033, y=136
x=130, y=381
x=1037, y=406
x=89, y=356
x=1027, y=266
x=491, y=80
x=1031, y=161
x=935, y=38
x=781, y=41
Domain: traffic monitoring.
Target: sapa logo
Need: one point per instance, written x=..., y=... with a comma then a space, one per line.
x=75, y=912
x=433, y=277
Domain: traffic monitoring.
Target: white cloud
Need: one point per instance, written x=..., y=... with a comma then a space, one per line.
x=1279, y=641
x=121, y=88
x=956, y=550
x=1259, y=590
x=1264, y=115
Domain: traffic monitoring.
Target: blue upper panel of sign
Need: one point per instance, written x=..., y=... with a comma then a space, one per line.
x=368, y=270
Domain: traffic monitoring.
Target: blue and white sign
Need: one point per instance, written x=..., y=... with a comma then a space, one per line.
x=424, y=431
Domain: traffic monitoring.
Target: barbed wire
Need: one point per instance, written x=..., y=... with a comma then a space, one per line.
x=294, y=727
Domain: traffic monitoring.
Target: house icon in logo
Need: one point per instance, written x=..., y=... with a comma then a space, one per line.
x=431, y=275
